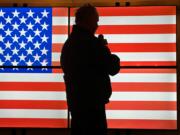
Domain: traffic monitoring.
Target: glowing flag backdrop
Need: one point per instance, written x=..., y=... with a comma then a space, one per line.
x=141, y=36
x=32, y=97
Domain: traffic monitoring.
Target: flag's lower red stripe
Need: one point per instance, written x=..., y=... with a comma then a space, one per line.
x=22, y=86
x=141, y=105
x=32, y=104
x=134, y=70
x=150, y=70
x=32, y=86
x=154, y=87
x=33, y=123
x=150, y=63
x=142, y=124
x=142, y=47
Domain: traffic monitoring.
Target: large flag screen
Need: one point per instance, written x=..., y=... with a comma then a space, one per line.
x=141, y=36
x=32, y=93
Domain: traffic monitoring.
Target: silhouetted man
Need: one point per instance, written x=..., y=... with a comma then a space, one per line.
x=87, y=63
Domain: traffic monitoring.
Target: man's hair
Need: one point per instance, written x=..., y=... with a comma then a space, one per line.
x=84, y=12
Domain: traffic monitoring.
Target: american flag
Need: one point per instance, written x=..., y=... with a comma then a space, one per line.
x=32, y=97
x=141, y=36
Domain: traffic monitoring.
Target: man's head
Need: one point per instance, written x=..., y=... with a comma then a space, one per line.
x=87, y=17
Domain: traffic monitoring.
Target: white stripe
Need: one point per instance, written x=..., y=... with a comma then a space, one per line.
x=143, y=96
x=116, y=96
x=57, y=21
x=58, y=77
x=146, y=56
x=59, y=38
x=32, y=95
x=145, y=114
x=33, y=113
x=143, y=77
x=134, y=20
x=56, y=57
x=140, y=38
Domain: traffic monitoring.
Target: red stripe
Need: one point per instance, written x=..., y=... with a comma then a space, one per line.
x=150, y=63
x=142, y=124
x=22, y=86
x=32, y=104
x=154, y=87
x=139, y=63
x=33, y=123
x=135, y=70
x=57, y=47
x=142, y=47
x=60, y=12
x=133, y=11
x=141, y=105
x=57, y=70
x=55, y=63
x=60, y=30
x=136, y=29
x=32, y=86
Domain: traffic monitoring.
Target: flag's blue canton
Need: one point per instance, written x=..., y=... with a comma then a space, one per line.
x=25, y=38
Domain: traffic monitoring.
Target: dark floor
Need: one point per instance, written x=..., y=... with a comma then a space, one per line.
x=66, y=132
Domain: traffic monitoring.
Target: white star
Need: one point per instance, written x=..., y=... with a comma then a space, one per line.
x=23, y=20
x=1, y=63
x=36, y=57
x=15, y=26
x=44, y=51
x=15, y=38
x=22, y=44
x=44, y=13
x=30, y=38
x=37, y=20
x=1, y=50
x=8, y=32
x=2, y=13
x=37, y=45
x=30, y=26
x=37, y=32
x=15, y=13
x=29, y=51
x=44, y=69
x=1, y=26
x=30, y=13
x=44, y=38
x=44, y=63
x=14, y=63
x=8, y=44
x=8, y=20
x=1, y=38
x=7, y=57
x=22, y=57
x=15, y=69
x=15, y=51
x=29, y=63
x=44, y=26
x=23, y=32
